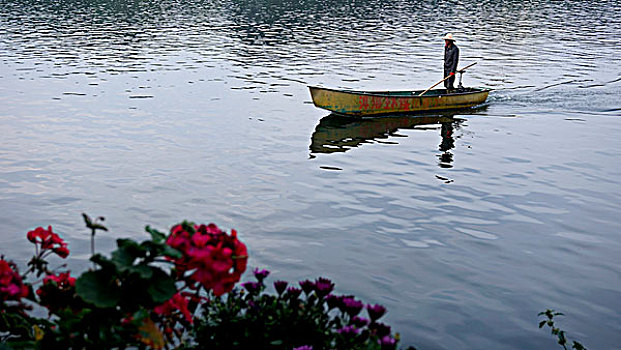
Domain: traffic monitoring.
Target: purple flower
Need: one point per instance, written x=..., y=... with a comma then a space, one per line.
x=323, y=287
x=260, y=274
x=388, y=343
x=375, y=311
x=359, y=321
x=333, y=301
x=304, y=347
x=280, y=286
x=380, y=329
x=351, y=306
x=294, y=292
x=252, y=287
x=348, y=331
x=307, y=286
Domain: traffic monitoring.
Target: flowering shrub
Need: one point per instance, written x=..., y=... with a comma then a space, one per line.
x=309, y=317
x=174, y=291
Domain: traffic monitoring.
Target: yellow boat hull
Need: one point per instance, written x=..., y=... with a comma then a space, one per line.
x=361, y=103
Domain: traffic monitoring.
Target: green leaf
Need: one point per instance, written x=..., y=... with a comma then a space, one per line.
x=98, y=288
x=161, y=286
x=188, y=226
x=172, y=252
x=561, y=338
x=99, y=227
x=102, y=261
x=153, y=249
x=123, y=259
x=156, y=235
x=93, y=225
x=10, y=345
x=143, y=270
x=542, y=323
x=127, y=252
x=87, y=220
x=129, y=244
x=578, y=346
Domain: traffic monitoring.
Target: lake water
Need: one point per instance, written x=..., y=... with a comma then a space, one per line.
x=151, y=112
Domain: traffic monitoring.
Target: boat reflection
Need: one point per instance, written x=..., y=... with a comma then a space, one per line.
x=448, y=142
x=336, y=133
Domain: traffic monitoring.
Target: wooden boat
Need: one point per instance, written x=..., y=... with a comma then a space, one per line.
x=374, y=103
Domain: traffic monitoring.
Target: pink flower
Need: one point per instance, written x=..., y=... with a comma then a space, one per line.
x=11, y=285
x=252, y=287
x=280, y=286
x=348, y=331
x=307, y=286
x=375, y=311
x=379, y=329
x=323, y=287
x=351, y=306
x=260, y=274
x=13, y=289
x=294, y=293
x=333, y=301
x=359, y=321
x=388, y=343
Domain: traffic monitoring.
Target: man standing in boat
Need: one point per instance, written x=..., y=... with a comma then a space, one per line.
x=451, y=58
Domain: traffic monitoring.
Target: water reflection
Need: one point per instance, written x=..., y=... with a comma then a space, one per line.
x=446, y=131
x=336, y=133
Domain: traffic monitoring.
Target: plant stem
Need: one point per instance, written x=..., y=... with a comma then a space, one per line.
x=93, y=244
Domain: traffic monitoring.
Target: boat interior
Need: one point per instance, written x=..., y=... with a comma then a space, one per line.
x=435, y=92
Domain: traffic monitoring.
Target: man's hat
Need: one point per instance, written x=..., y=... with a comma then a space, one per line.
x=449, y=36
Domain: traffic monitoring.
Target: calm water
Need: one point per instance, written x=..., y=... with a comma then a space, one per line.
x=150, y=112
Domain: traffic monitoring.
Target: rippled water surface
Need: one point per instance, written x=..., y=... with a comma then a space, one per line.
x=465, y=225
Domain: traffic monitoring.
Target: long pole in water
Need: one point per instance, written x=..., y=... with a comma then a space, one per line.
x=459, y=71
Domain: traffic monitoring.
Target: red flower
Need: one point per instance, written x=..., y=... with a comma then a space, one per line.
x=177, y=303
x=48, y=240
x=63, y=252
x=63, y=280
x=11, y=285
x=211, y=258
x=58, y=292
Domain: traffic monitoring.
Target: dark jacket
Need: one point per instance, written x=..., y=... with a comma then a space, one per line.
x=451, y=58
